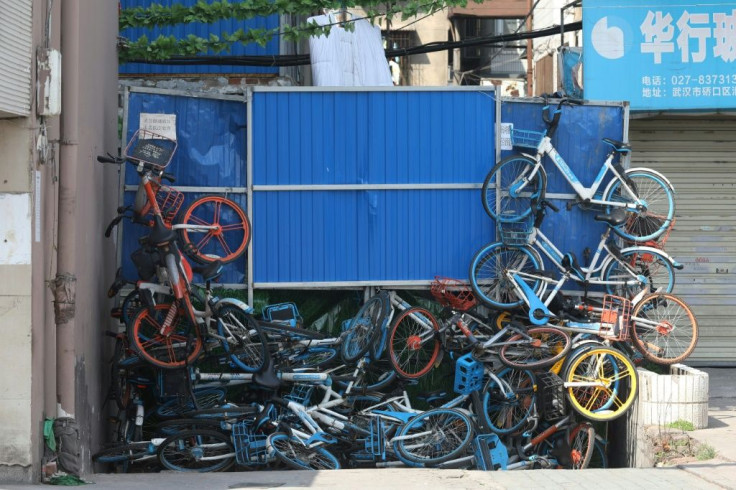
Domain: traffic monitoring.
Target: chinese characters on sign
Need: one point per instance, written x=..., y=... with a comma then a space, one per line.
x=689, y=35
x=661, y=54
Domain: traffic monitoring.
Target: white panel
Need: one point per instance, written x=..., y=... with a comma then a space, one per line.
x=15, y=57
x=698, y=155
x=15, y=229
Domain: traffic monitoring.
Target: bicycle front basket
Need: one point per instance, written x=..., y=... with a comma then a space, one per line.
x=150, y=149
x=527, y=139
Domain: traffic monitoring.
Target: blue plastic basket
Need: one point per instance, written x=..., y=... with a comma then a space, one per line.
x=468, y=375
x=250, y=449
x=516, y=233
x=300, y=393
x=490, y=453
x=527, y=139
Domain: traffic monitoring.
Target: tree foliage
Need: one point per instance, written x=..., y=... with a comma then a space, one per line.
x=164, y=47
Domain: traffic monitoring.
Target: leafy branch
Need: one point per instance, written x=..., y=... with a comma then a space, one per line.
x=165, y=47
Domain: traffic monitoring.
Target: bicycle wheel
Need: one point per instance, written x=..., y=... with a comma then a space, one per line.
x=204, y=398
x=314, y=357
x=198, y=450
x=176, y=349
x=507, y=413
x=292, y=451
x=600, y=383
x=433, y=437
x=379, y=346
x=226, y=240
x=363, y=329
x=375, y=377
x=126, y=454
x=413, y=343
x=501, y=199
x=241, y=338
x=582, y=445
x=170, y=427
x=659, y=198
x=664, y=329
x=488, y=274
x=537, y=348
x=654, y=266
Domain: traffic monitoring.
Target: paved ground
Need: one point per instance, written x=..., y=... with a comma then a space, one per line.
x=717, y=473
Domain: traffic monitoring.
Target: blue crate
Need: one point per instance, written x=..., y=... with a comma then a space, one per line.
x=285, y=313
x=250, y=449
x=527, y=139
x=468, y=375
x=490, y=453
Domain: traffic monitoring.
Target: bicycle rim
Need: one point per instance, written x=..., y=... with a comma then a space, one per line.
x=539, y=347
x=413, y=344
x=295, y=454
x=433, y=437
x=199, y=451
x=601, y=383
x=507, y=413
x=229, y=237
x=170, y=351
x=664, y=329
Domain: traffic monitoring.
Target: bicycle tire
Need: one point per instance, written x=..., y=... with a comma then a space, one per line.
x=227, y=242
x=548, y=345
x=664, y=329
x=606, y=382
x=413, y=343
x=314, y=357
x=242, y=338
x=292, y=451
x=648, y=262
x=363, y=329
x=488, y=274
x=124, y=454
x=582, y=445
x=504, y=174
x=205, y=398
x=173, y=351
x=507, y=415
x=172, y=427
x=379, y=346
x=433, y=437
x=660, y=200
x=199, y=451
x=377, y=377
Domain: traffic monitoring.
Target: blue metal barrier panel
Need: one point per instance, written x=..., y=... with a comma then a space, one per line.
x=211, y=153
x=369, y=186
x=578, y=140
x=660, y=55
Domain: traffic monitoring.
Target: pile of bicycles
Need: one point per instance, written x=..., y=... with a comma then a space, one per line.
x=528, y=372
x=298, y=399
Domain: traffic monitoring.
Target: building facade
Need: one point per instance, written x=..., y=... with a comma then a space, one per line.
x=57, y=111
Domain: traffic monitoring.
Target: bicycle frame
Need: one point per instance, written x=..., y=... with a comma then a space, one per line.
x=586, y=194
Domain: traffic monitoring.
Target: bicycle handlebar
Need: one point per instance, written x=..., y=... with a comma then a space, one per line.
x=119, y=161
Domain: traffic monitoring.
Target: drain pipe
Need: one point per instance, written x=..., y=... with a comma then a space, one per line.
x=64, y=286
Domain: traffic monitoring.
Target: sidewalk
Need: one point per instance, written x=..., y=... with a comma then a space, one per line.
x=721, y=431
x=717, y=473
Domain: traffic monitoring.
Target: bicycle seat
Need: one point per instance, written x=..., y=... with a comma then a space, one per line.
x=570, y=262
x=616, y=218
x=619, y=146
x=211, y=271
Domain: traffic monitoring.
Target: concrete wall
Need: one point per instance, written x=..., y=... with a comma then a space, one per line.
x=31, y=169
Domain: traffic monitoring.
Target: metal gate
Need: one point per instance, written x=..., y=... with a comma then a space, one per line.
x=698, y=155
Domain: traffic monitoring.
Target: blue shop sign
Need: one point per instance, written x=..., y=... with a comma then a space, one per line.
x=662, y=55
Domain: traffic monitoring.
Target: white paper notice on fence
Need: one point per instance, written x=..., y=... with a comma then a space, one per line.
x=506, y=129
x=162, y=124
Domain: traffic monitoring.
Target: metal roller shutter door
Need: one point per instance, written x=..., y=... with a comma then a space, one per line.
x=698, y=155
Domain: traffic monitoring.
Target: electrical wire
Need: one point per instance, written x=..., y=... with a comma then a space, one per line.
x=304, y=59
